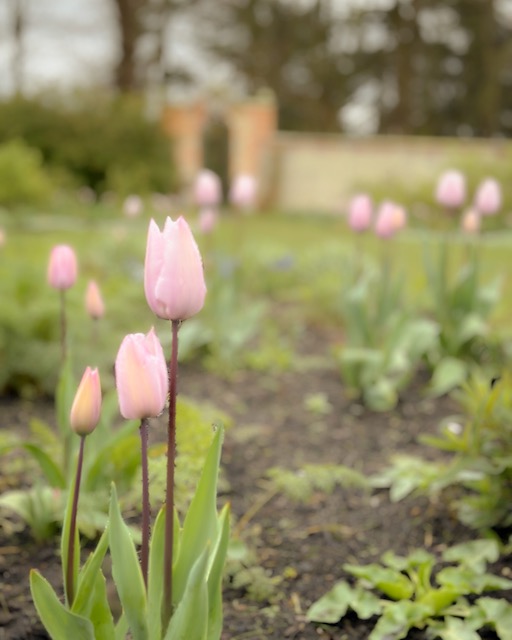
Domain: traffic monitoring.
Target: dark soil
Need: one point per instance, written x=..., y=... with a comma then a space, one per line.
x=301, y=546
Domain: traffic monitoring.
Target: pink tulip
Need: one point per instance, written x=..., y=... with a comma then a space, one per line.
x=173, y=271
x=207, y=220
x=470, y=223
x=86, y=408
x=62, y=267
x=243, y=192
x=451, y=189
x=141, y=376
x=390, y=219
x=133, y=206
x=360, y=213
x=207, y=189
x=488, y=197
x=93, y=301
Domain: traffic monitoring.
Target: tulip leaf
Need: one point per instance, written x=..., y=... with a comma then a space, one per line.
x=88, y=574
x=122, y=628
x=126, y=572
x=155, y=570
x=200, y=525
x=60, y=623
x=215, y=572
x=51, y=470
x=64, y=544
x=190, y=619
x=100, y=613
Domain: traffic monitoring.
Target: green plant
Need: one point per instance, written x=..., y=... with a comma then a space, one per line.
x=479, y=445
x=384, y=344
x=461, y=306
x=406, y=594
x=23, y=180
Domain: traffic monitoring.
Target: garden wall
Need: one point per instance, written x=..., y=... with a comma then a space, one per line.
x=309, y=172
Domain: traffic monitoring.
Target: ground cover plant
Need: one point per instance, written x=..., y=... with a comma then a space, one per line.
x=299, y=460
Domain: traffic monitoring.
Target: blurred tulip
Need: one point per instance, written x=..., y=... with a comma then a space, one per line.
x=243, y=192
x=141, y=376
x=360, y=212
x=390, y=219
x=207, y=189
x=133, y=206
x=173, y=271
x=93, y=301
x=488, y=197
x=3, y=237
x=451, y=189
x=470, y=223
x=62, y=267
x=86, y=408
x=207, y=220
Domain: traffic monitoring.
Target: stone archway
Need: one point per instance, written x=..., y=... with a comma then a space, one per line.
x=250, y=126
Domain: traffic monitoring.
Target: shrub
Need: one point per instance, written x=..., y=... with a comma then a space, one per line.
x=23, y=179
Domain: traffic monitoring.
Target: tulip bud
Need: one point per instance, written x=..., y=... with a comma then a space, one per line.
x=86, y=408
x=360, y=213
x=390, y=219
x=133, y=206
x=173, y=271
x=471, y=222
x=488, y=197
x=207, y=220
x=207, y=189
x=94, y=304
x=141, y=376
x=243, y=192
x=451, y=189
x=62, y=267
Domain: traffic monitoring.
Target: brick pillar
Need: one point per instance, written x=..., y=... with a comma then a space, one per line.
x=252, y=125
x=184, y=125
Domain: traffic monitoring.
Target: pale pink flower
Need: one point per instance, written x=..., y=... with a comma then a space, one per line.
x=62, y=267
x=86, y=408
x=173, y=271
x=207, y=189
x=360, y=213
x=133, y=206
x=488, y=197
x=94, y=304
x=208, y=218
x=451, y=189
x=390, y=219
x=243, y=192
x=141, y=376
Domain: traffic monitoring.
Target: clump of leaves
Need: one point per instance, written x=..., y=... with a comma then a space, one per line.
x=480, y=447
x=405, y=594
x=243, y=571
x=384, y=343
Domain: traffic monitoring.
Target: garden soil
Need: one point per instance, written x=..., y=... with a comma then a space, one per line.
x=287, y=420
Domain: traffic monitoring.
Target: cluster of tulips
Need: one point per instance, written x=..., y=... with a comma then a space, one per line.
x=175, y=589
x=450, y=194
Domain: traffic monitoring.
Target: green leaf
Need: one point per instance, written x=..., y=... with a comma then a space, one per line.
x=475, y=554
x=155, y=570
x=49, y=467
x=332, y=606
x=190, y=619
x=439, y=599
x=100, y=614
x=122, y=628
x=126, y=572
x=398, y=618
x=498, y=613
x=88, y=574
x=448, y=374
x=457, y=629
x=215, y=571
x=392, y=583
x=200, y=525
x=60, y=623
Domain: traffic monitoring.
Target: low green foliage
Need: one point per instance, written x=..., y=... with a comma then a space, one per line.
x=23, y=179
x=479, y=444
x=406, y=594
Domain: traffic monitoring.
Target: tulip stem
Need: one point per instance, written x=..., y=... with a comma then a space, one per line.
x=70, y=567
x=146, y=507
x=63, y=326
x=171, y=460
